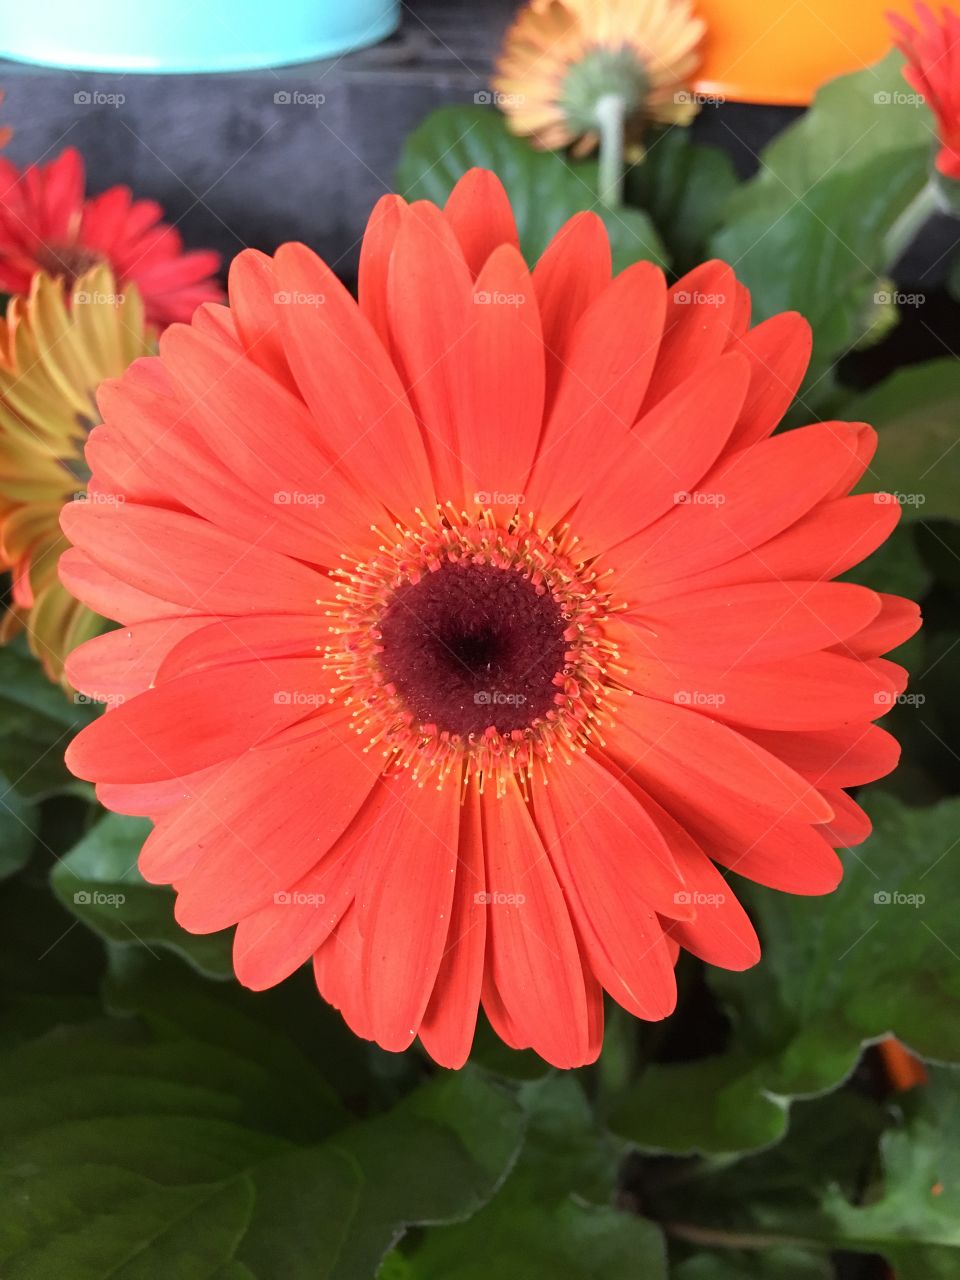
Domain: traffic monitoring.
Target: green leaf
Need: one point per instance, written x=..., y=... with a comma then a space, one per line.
x=845, y=126
x=283, y=1027
x=938, y=543
x=553, y=1216
x=38, y=722
x=821, y=252
x=683, y=187
x=809, y=231
x=915, y=1222
x=17, y=830
x=953, y=278
x=772, y=1264
x=544, y=187
x=51, y=969
x=99, y=882
x=917, y=413
x=129, y=1154
x=878, y=956
x=896, y=566
x=819, y=1189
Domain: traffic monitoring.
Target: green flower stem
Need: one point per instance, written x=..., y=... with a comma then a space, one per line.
x=610, y=113
x=718, y=1239
x=904, y=231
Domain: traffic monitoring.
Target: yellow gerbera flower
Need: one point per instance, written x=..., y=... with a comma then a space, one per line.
x=562, y=57
x=56, y=346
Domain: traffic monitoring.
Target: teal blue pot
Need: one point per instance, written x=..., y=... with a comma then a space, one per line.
x=189, y=35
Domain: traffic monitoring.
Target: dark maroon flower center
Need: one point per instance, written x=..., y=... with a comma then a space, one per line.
x=470, y=646
x=68, y=260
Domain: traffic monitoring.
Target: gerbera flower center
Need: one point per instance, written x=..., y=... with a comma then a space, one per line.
x=473, y=649
x=603, y=71
x=473, y=645
x=68, y=260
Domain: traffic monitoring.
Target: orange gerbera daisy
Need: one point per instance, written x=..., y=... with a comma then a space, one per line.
x=560, y=58
x=56, y=346
x=932, y=50
x=467, y=630
x=48, y=224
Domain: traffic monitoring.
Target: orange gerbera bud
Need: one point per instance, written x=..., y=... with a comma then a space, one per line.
x=562, y=58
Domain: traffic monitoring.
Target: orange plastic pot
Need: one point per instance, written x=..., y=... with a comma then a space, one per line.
x=757, y=51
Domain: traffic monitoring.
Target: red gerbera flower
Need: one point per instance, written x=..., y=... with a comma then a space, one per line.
x=932, y=51
x=48, y=224
x=467, y=630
